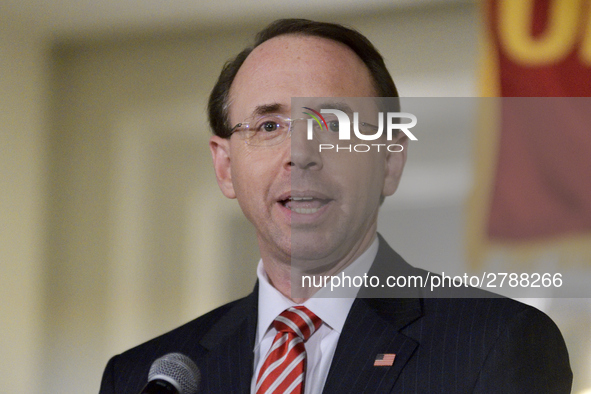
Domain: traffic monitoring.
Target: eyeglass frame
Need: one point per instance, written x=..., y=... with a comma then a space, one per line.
x=288, y=133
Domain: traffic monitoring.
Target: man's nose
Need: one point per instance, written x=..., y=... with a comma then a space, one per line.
x=304, y=153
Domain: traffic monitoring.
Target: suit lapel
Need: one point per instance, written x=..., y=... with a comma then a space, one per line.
x=367, y=334
x=230, y=343
x=373, y=327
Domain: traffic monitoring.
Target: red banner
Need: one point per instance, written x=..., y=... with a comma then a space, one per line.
x=542, y=180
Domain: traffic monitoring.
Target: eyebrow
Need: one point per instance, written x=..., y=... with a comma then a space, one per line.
x=337, y=105
x=266, y=109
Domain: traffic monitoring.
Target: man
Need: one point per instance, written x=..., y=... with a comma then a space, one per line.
x=317, y=211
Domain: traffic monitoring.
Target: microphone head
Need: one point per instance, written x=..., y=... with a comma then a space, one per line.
x=178, y=370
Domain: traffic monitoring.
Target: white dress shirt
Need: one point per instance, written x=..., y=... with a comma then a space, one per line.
x=321, y=346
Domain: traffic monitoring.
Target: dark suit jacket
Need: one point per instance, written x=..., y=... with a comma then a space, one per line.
x=442, y=345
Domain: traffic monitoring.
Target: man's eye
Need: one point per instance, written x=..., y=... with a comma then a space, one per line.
x=333, y=125
x=269, y=126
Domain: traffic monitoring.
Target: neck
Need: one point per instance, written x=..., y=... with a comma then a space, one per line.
x=288, y=280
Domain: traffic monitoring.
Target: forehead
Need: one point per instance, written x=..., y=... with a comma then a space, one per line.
x=297, y=66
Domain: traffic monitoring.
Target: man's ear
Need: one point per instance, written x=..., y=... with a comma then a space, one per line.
x=394, y=165
x=220, y=152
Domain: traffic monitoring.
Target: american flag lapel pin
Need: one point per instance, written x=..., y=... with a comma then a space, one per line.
x=384, y=360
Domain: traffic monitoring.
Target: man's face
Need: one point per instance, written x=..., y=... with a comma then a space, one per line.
x=317, y=208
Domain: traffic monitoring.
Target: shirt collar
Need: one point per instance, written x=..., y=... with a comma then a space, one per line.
x=332, y=311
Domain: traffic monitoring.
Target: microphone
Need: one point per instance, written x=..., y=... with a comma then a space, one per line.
x=173, y=373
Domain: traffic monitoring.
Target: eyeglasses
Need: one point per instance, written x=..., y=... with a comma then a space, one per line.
x=273, y=129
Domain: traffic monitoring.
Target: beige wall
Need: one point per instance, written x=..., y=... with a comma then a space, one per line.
x=141, y=239
x=22, y=154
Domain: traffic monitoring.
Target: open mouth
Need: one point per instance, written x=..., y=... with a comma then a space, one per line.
x=304, y=205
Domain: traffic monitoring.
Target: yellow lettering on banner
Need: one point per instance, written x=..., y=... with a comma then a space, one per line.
x=557, y=40
x=586, y=43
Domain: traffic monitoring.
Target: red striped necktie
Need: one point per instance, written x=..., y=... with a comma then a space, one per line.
x=285, y=365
